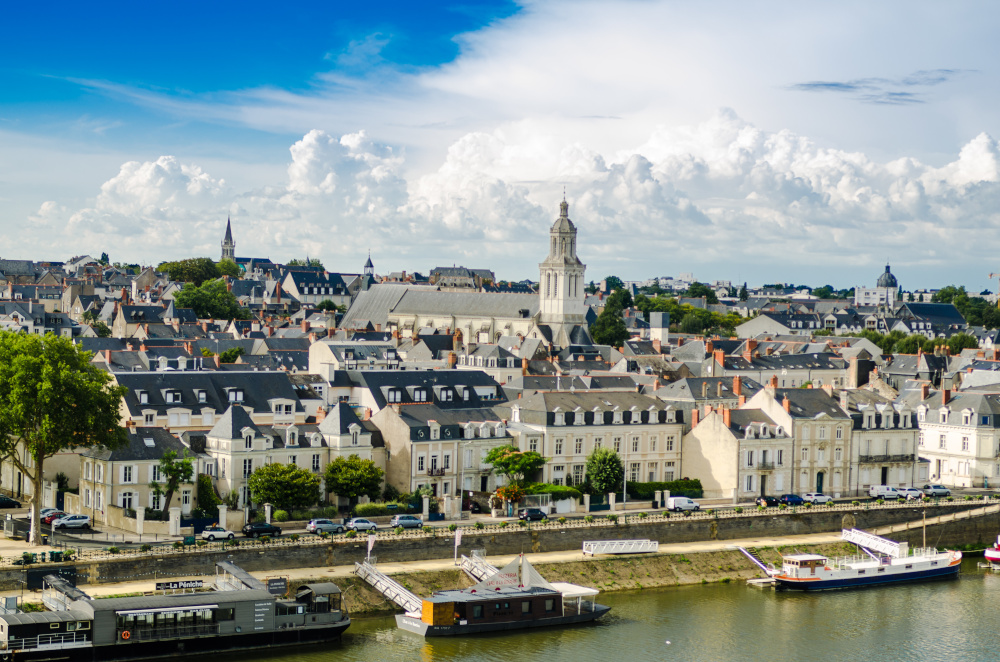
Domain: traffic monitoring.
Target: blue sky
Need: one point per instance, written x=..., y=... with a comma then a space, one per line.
x=747, y=141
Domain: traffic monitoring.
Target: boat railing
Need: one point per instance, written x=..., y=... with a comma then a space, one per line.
x=49, y=641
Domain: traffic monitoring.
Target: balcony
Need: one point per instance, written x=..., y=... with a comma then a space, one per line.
x=879, y=459
x=435, y=471
x=765, y=466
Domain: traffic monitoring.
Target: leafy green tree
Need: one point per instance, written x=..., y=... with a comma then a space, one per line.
x=619, y=300
x=352, y=477
x=609, y=328
x=101, y=329
x=515, y=465
x=192, y=270
x=208, y=500
x=698, y=290
x=207, y=353
x=231, y=354
x=229, y=268
x=329, y=306
x=211, y=300
x=311, y=262
x=824, y=292
x=744, y=295
x=614, y=283
x=284, y=486
x=961, y=341
x=911, y=298
x=175, y=471
x=605, y=470
x=52, y=399
x=104, y=259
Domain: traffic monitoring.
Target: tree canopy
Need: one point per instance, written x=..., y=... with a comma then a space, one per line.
x=285, y=486
x=976, y=310
x=52, y=398
x=688, y=318
x=605, y=470
x=329, y=306
x=352, y=477
x=231, y=354
x=192, y=270
x=175, y=471
x=698, y=290
x=229, y=268
x=211, y=300
x=516, y=465
x=311, y=262
x=609, y=328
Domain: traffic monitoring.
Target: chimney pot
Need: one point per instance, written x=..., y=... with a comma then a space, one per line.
x=787, y=404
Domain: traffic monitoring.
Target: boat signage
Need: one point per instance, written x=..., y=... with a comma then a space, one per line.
x=179, y=584
x=277, y=585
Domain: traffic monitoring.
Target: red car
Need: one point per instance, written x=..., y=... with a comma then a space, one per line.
x=48, y=519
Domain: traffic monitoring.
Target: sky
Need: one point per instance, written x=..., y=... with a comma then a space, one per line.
x=807, y=143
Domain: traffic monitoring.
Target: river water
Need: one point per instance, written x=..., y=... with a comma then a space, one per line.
x=945, y=620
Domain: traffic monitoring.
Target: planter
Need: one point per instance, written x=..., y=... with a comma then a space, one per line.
x=496, y=512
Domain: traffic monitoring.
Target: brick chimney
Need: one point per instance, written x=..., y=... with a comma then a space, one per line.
x=925, y=391
x=452, y=360
x=742, y=401
x=277, y=292
x=524, y=366
x=204, y=327
x=750, y=349
x=769, y=350
x=708, y=410
x=737, y=386
x=787, y=404
x=709, y=347
x=694, y=417
x=727, y=417
x=107, y=356
x=829, y=389
x=945, y=396
x=304, y=325
x=657, y=346
x=720, y=357
x=774, y=381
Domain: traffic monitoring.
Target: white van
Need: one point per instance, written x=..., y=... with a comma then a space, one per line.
x=883, y=492
x=682, y=503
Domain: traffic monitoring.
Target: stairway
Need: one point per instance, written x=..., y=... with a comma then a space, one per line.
x=390, y=588
x=754, y=556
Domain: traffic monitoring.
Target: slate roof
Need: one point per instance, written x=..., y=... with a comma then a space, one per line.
x=689, y=389
x=379, y=381
x=136, y=448
x=339, y=419
x=810, y=402
x=232, y=423
x=258, y=388
x=465, y=304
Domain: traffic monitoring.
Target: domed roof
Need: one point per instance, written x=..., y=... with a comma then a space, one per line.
x=563, y=224
x=887, y=279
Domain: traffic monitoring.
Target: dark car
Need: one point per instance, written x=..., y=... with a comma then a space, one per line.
x=768, y=501
x=258, y=529
x=791, y=500
x=530, y=514
x=7, y=502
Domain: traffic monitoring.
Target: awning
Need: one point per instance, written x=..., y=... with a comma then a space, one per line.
x=574, y=591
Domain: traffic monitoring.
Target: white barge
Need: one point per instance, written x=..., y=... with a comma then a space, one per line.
x=882, y=561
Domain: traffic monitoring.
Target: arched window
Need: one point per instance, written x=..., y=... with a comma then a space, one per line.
x=548, y=284
x=555, y=285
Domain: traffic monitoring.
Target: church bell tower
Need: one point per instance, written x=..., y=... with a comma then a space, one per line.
x=561, y=285
x=228, y=245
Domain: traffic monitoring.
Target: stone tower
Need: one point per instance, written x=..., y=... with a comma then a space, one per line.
x=228, y=245
x=561, y=286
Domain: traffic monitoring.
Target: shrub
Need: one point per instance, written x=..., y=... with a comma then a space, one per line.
x=558, y=492
x=428, y=529
x=855, y=503
x=201, y=543
x=808, y=504
x=588, y=519
x=880, y=501
x=114, y=550
x=562, y=520
x=969, y=497
x=280, y=516
x=690, y=488
x=177, y=545
x=351, y=534
x=949, y=498
x=782, y=506
x=452, y=527
x=398, y=530
x=208, y=500
x=383, y=509
x=480, y=525
x=390, y=493
x=611, y=517
x=738, y=510
x=265, y=539
x=686, y=513
x=522, y=523
x=232, y=543
x=145, y=548
x=324, y=535
x=544, y=520
x=26, y=558
x=503, y=525
x=294, y=537
x=761, y=508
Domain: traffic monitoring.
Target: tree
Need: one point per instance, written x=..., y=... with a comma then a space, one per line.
x=311, y=262
x=614, y=283
x=229, y=268
x=52, y=398
x=961, y=341
x=175, y=471
x=609, y=328
x=744, y=295
x=105, y=259
x=207, y=353
x=101, y=329
x=698, y=290
x=192, y=270
x=231, y=354
x=619, y=300
x=285, y=486
x=605, y=470
x=514, y=464
x=824, y=292
x=329, y=306
x=211, y=300
x=352, y=477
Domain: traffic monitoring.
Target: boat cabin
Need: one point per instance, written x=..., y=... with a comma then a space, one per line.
x=504, y=605
x=802, y=565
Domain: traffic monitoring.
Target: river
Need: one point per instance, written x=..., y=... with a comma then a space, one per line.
x=946, y=620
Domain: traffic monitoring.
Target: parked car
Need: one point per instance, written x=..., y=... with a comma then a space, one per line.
x=791, y=500
x=7, y=502
x=406, y=521
x=54, y=515
x=886, y=492
x=72, y=522
x=318, y=526
x=767, y=501
x=45, y=511
x=216, y=532
x=361, y=524
x=817, y=497
x=910, y=493
x=678, y=504
x=530, y=514
x=936, y=490
x=258, y=529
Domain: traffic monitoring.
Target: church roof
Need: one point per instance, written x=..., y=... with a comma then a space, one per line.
x=229, y=232
x=563, y=224
x=887, y=279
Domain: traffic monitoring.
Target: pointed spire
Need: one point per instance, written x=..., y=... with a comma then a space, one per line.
x=229, y=231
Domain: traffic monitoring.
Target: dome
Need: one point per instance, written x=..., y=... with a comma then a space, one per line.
x=887, y=279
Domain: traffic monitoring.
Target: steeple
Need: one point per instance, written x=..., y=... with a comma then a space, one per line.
x=369, y=267
x=560, y=288
x=228, y=245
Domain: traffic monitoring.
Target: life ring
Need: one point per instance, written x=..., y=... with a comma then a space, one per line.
x=126, y=635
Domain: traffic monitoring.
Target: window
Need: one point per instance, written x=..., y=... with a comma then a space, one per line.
x=149, y=418
x=526, y=607
x=155, y=473
x=750, y=455
x=86, y=470
x=780, y=454
x=293, y=460
x=920, y=439
x=652, y=467
x=560, y=419
x=635, y=444
x=668, y=472
x=550, y=604
x=533, y=444
x=821, y=455
x=202, y=396
x=578, y=471
x=617, y=444
x=840, y=432
x=447, y=395
x=247, y=467
x=965, y=443
x=477, y=610
x=941, y=442
x=420, y=395
x=420, y=463
x=822, y=433
x=100, y=473
x=805, y=454
x=559, y=443
x=395, y=395
x=749, y=484
x=315, y=463
x=578, y=446
x=143, y=398
x=652, y=444
x=435, y=432
x=186, y=497
x=838, y=454
x=670, y=442
x=633, y=472
x=354, y=438
x=86, y=497
x=248, y=442
x=447, y=461
x=598, y=442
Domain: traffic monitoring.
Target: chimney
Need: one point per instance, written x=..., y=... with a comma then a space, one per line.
x=204, y=327
x=727, y=417
x=694, y=417
x=774, y=381
x=743, y=400
x=945, y=396
x=829, y=389
x=787, y=404
x=229, y=284
x=107, y=356
x=718, y=389
x=709, y=347
x=750, y=349
x=177, y=325
x=524, y=366
x=129, y=424
x=277, y=293
x=657, y=347
x=769, y=350
x=737, y=386
x=331, y=330
x=720, y=357
x=925, y=391
x=704, y=389
x=708, y=410
x=304, y=325
x=452, y=360
x=312, y=338
x=320, y=414
x=980, y=354
x=843, y=399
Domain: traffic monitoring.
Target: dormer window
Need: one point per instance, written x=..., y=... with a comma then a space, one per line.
x=944, y=416
x=235, y=395
x=291, y=439
x=248, y=440
x=354, y=438
x=560, y=418
x=446, y=394
x=617, y=417
x=202, y=396
x=966, y=418
x=578, y=417
x=394, y=395
x=173, y=397
x=143, y=397
x=420, y=395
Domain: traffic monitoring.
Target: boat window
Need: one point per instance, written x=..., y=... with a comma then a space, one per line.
x=477, y=611
x=227, y=614
x=934, y=562
x=881, y=569
x=909, y=566
x=861, y=572
x=526, y=607
x=550, y=605
x=71, y=626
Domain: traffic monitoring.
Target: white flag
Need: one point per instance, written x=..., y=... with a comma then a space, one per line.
x=371, y=542
x=458, y=537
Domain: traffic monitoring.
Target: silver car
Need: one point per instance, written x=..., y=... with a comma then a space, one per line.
x=406, y=521
x=361, y=524
x=318, y=526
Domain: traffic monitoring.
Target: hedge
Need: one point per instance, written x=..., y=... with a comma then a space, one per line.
x=558, y=492
x=689, y=488
x=382, y=508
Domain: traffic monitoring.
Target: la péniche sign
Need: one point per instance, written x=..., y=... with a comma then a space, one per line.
x=175, y=585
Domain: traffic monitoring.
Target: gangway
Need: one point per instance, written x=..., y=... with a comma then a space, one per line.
x=869, y=541
x=593, y=547
x=754, y=556
x=58, y=594
x=390, y=588
x=477, y=567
